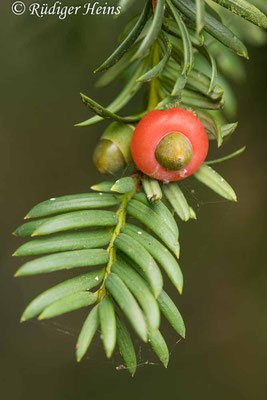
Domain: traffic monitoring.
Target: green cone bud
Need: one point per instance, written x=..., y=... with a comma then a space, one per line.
x=107, y=157
x=113, y=151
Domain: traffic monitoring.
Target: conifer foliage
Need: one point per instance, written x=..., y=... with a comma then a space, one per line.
x=124, y=233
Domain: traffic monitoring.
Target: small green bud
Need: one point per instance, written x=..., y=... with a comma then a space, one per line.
x=113, y=152
x=107, y=157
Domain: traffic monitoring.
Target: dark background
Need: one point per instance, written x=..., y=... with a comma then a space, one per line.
x=45, y=63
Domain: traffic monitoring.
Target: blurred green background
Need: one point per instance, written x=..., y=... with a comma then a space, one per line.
x=45, y=63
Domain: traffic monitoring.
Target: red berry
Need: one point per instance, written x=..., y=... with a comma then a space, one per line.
x=153, y=128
